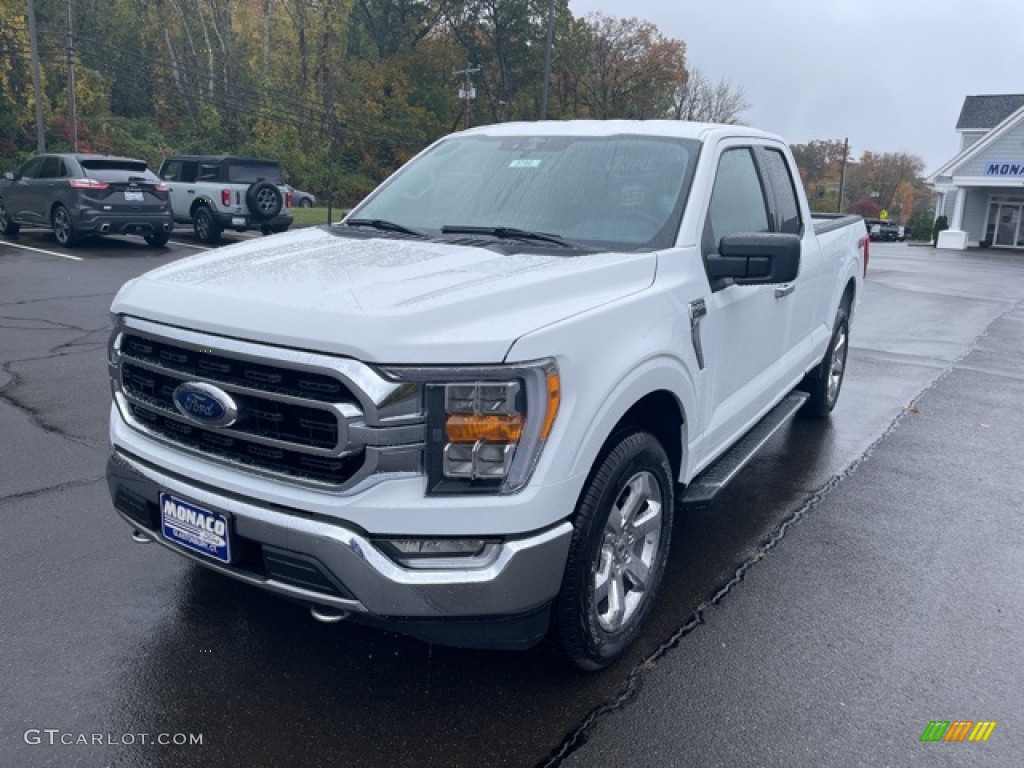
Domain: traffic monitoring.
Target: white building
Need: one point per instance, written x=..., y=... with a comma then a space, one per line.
x=982, y=188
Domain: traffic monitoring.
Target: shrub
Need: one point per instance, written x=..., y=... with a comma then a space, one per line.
x=941, y=224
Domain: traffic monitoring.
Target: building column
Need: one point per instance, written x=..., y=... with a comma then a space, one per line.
x=955, y=238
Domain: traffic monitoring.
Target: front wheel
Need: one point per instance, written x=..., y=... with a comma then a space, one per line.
x=618, y=552
x=825, y=381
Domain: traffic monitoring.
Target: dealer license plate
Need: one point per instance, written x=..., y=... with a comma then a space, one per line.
x=133, y=197
x=238, y=221
x=196, y=528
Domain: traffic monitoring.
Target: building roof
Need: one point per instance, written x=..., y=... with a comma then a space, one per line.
x=983, y=113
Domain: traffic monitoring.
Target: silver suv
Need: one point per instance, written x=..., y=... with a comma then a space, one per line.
x=218, y=192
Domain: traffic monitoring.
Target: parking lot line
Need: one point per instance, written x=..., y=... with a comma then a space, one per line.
x=191, y=245
x=41, y=250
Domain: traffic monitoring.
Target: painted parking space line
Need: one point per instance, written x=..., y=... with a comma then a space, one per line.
x=41, y=250
x=191, y=245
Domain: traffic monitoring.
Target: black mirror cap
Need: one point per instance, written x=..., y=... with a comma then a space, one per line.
x=760, y=258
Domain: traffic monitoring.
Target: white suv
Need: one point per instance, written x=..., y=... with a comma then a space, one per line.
x=214, y=193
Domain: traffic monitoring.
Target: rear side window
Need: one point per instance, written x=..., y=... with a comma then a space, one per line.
x=787, y=210
x=247, y=173
x=51, y=168
x=209, y=172
x=189, y=171
x=737, y=201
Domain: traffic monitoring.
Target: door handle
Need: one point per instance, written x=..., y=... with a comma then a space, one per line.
x=782, y=291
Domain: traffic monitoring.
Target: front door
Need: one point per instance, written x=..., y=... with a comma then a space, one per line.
x=1008, y=230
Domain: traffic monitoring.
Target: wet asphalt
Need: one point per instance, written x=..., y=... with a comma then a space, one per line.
x=857, y=581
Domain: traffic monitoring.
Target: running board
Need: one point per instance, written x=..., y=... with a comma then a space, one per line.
x=713, y=479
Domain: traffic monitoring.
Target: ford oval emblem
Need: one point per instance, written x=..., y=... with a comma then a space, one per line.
x=205, y=404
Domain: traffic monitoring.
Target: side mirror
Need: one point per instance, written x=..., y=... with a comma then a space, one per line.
x=756, y=259
x=9, y=176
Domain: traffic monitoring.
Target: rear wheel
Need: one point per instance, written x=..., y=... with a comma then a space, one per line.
x=63, y=227
x=306, y=203
x=617, y=557
x=157, y=239
x=205, y=227
x=7, y=226
x=824, y=382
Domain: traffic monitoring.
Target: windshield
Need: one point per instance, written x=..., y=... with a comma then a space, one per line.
x=616, y=191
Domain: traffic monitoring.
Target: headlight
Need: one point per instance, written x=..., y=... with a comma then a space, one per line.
x=486, y=426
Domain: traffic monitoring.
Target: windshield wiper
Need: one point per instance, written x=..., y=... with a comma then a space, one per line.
x=509, y=233
x=383, y=224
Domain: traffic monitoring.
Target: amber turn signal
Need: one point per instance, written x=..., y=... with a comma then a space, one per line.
x=465, y=428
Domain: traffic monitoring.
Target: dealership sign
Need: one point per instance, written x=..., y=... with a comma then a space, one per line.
x=1005, y=169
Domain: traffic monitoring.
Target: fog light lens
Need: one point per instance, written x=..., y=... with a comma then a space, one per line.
x=437, y=547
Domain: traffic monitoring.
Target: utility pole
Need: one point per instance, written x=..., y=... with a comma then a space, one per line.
x=467, y=91
x=842, y=175
x=547, y=62
x=72, y=105
x=36, y=86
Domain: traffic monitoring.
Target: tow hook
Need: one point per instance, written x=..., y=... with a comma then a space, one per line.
x=327, y=615
x=141, y=538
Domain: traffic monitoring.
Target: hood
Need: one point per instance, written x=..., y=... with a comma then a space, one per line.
x=383, y=300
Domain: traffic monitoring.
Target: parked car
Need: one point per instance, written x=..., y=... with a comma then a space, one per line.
x=78, y=195
x=468, y=411
x=218, y=192
x=885, y=230
x=302, y=199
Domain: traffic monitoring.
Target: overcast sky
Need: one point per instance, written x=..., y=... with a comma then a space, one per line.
x=890, y=76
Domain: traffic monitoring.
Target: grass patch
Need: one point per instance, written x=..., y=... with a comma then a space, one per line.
x=311, y=217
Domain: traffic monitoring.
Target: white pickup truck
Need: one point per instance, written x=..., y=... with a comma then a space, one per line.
x=469, y=411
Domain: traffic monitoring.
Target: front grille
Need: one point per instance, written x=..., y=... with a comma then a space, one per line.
x=208, y=365
x=331, y=470
x=288, y=418
x=311, y=419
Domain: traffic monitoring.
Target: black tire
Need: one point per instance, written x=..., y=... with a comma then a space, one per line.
x=157, y=239
x=279, y=230
x=266, y=230
x=64, y=227
x=205, y=227
x=7, y=226
x=264, y=199
x=826, y=381
x=615, y=564
x=305, y=203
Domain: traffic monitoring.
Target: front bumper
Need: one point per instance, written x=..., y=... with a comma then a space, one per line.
x=323, y=563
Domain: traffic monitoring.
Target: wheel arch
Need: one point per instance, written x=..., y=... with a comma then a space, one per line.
x=658, y=398
x=204, y=200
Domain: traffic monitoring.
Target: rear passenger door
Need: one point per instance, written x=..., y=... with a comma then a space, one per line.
x=21, y=195
x=746, y=326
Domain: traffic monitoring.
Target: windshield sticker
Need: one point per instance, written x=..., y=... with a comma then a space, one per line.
x=524, y=163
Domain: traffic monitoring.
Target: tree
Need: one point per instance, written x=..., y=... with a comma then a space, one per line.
x=699, y=100
x=631, y=69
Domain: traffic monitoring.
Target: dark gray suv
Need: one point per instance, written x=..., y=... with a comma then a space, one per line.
x=78, y=195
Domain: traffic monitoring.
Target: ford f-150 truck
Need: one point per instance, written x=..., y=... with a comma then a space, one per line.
x=470, y=410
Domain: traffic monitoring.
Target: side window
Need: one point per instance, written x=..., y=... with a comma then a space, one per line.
x=209, y=172
x=30, y=170
x=787, y=210
x=50, y=169
x=172, y=171
x=189, y=172
x=737, y=200
x=64, y=169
